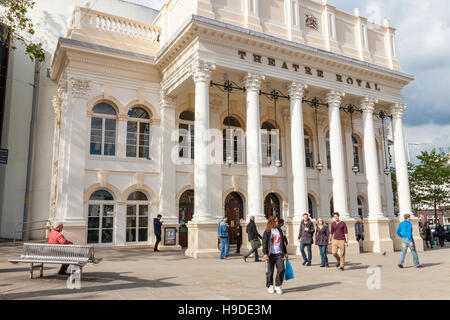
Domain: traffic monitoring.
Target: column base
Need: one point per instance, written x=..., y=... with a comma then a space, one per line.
x=377, y=236
x=202, y=240
x=353, y=245
x=292, y=236
x=418, y=241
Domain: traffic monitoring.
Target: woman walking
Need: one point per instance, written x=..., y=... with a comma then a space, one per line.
x=274, y=250
x=428, y=235
x=322, y=236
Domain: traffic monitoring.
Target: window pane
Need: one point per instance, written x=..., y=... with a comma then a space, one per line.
x=107, y=222
x=187, y=115
x=96, y=136
x=110, y=149
x=96, y=123
x=131, y=210
x=107, y=236
x=143, y=222
x=101, y=195
x=94, y=210
x=93, y=223
x=137, y=195
x=138, y=113
x=110, y=137
x=131, y=235
x=143, y=210
x=108, y=210
x=92, y=236
x=131, y=222
x=143, y=234
x=104, y=108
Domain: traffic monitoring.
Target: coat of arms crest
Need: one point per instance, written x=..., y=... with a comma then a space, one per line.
x=311, y=21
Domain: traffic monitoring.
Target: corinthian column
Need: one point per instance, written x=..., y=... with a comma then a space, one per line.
x=401, y=166
x=201, y=72
x=300, y=188
x=337, y=154
x=370, y=159
x=254, y=178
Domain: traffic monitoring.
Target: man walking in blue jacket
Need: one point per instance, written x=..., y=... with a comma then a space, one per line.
x=223, y=236
x=404, y=231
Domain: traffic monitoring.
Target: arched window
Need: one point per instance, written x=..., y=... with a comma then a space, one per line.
x=356, y=153
x=233, y=140
x=272, y=206
x=186, y=138
x=308, y=150
x=327, y=144
x=137, y=217
x=312, y=207
x=362, y=211
x=138, y=133
x=270, y=144
x=100, y=217
x=103, y=130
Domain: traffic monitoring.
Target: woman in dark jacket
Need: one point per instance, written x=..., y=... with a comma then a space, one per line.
x=322, y=236
x=274, y=250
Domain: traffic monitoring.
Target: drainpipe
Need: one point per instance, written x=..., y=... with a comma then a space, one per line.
x=26, y=206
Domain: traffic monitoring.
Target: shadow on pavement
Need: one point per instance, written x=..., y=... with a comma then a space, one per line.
x=310, y=287
x=22, y=269
x=360, y=267
x=131, y=283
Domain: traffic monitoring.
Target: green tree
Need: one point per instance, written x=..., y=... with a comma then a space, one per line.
x=430, y=180
x=17, y=28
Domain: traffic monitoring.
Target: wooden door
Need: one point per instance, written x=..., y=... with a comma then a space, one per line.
x=234, y=210
x=185, y=213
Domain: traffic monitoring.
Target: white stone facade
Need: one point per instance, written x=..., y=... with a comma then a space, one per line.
x=166, y=67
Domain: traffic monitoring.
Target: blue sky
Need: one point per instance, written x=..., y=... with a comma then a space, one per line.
x=423, y=48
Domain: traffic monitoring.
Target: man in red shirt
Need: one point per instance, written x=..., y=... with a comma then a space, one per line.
x=339, y=240
x=56, y=237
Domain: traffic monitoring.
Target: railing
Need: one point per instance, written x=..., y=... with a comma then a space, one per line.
x=84, y=17
x=47, y=222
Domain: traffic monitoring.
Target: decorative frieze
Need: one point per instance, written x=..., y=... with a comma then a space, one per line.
x=80, y=88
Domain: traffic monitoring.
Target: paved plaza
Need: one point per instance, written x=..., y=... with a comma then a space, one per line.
x=140, y=273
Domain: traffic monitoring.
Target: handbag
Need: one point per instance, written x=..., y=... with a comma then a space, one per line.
x=256, y=243
x=289, y=272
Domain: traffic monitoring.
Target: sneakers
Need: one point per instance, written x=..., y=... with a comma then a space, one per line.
x=270, y=290
x=341, y=269
x=400, y=266
x=308, y=264
x=419, y=266
x=338, y=265
x=305, y=262
x=278, y=290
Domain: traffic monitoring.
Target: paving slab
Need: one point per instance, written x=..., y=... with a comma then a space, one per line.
x=140, y=273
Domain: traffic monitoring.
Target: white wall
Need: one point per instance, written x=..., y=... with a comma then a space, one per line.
x=51, y=19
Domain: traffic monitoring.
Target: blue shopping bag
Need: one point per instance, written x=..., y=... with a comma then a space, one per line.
x=289, y=273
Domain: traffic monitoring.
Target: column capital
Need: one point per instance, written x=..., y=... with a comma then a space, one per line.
x=165, y=101
x=201, y=70
x=334, y=98
x=296, y=90
x=80, y=88
x=252, y=81
x=397, y=110
x=368, y=104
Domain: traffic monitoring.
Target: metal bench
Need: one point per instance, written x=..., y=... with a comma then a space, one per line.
x=39, y=253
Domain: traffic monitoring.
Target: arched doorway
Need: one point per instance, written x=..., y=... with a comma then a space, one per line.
x=312, y=207
x=272, y=206
x=185, y=213
x=234, y=210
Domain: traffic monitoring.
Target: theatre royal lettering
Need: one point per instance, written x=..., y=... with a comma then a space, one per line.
x=307, y=70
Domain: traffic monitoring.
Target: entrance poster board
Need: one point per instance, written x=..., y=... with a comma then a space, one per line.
x=170, y=237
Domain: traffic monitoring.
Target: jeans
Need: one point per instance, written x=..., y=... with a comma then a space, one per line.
x=323, y=255
x=278, y=260
x=224, y=247
x=302, y=250
x=405, y=246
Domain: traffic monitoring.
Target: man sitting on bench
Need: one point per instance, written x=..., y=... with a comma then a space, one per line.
x=56, y=237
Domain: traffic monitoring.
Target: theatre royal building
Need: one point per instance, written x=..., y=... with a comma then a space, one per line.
x=231, y=108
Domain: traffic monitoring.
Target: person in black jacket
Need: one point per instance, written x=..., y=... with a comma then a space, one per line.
x=157, y=229
x=253, y=238
x=440, y=231
x=305, y=236
x=274, y=250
